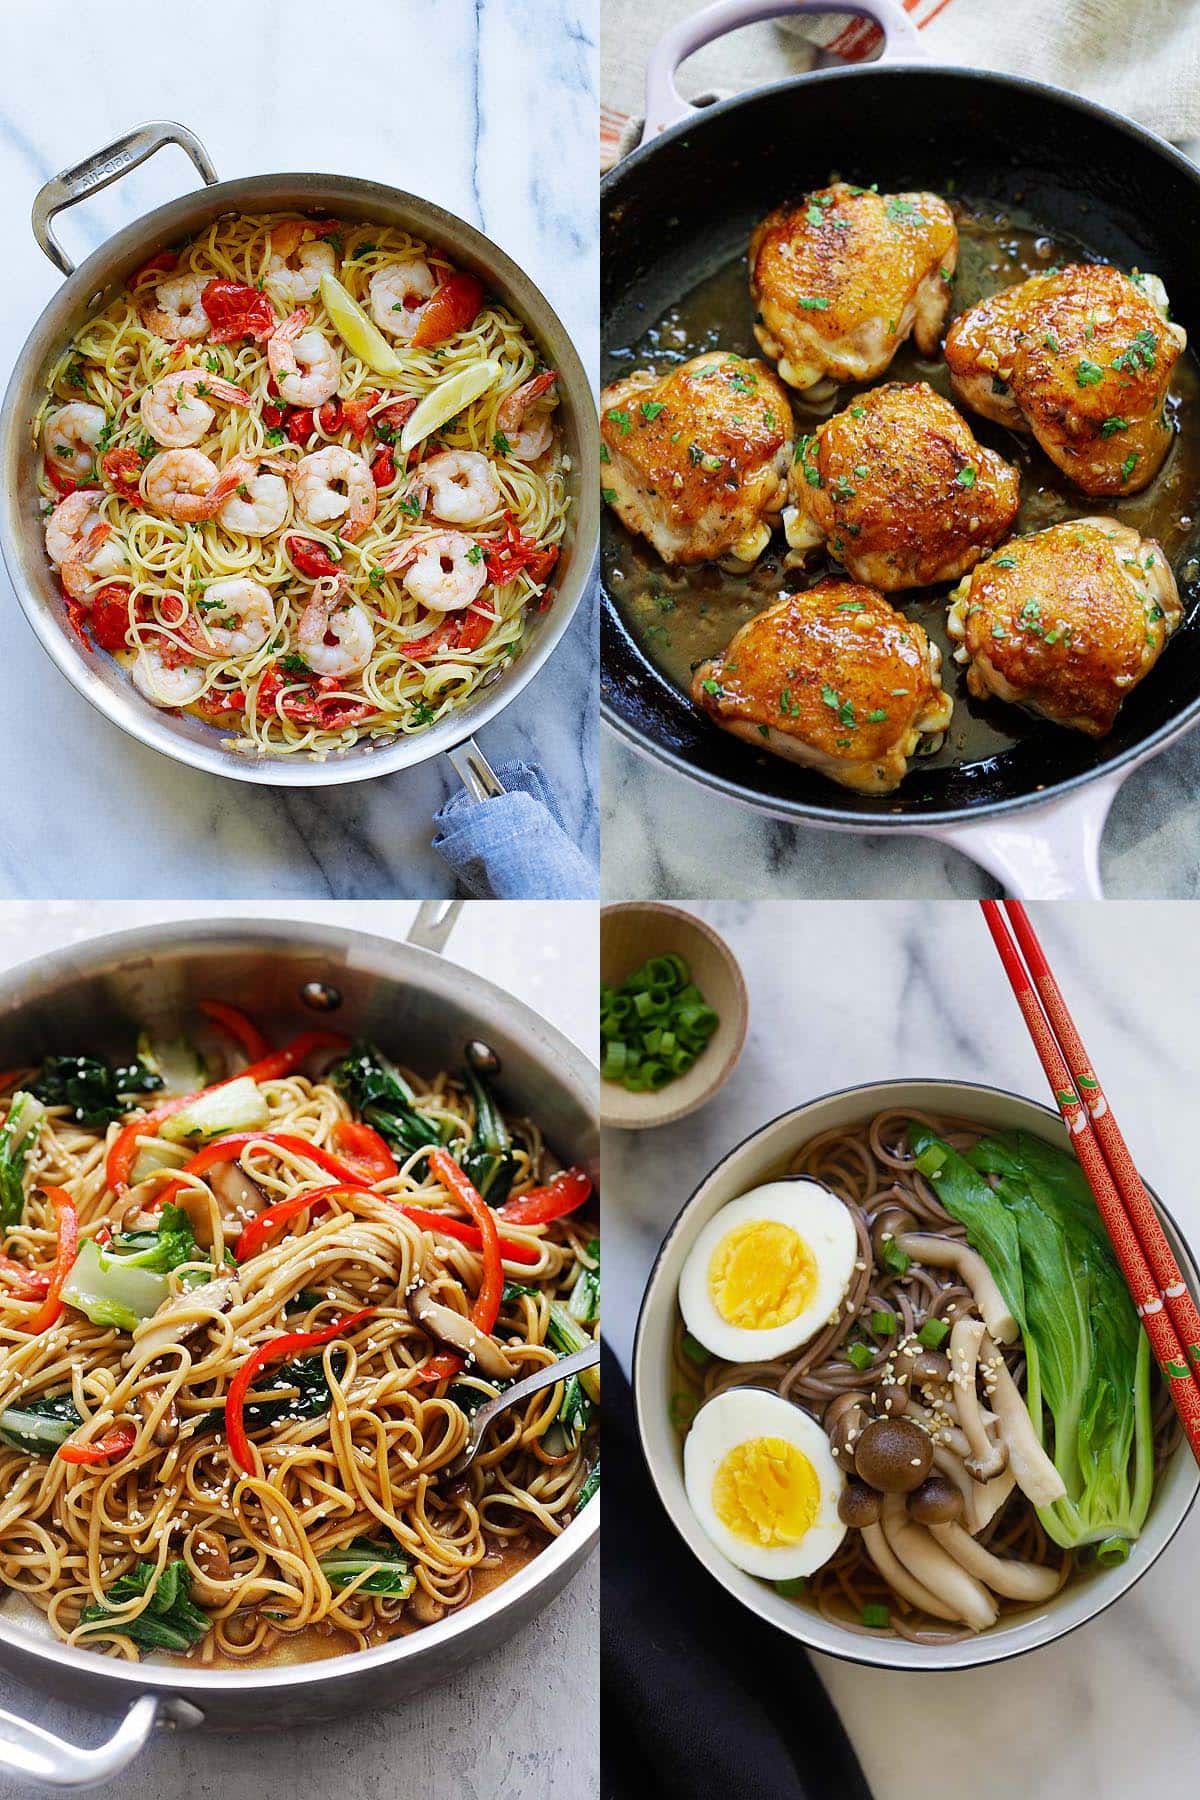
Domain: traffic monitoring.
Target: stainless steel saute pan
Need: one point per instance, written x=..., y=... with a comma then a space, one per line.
x=404, y=996
x=88, y=289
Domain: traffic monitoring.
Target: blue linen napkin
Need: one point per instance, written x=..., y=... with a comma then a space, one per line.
x=513, y=847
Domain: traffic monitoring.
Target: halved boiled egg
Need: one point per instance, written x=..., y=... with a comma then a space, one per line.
x=762, y=1482
x=768, y=1271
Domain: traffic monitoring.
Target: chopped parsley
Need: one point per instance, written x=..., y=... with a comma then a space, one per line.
x=619, y=417
x=843, y=708
x=604, y=456
x=375, y=578
x=966, y=477
x=1140, y=354
x=475, y=553
x=1113, y=425
x=291, y=664
x=1087, y=374
x=1128, y=466
x=813, y=303
x=650, y=409
x=899, y=209
x=609, y=496
x=1004, y=562
x=712, y=687
x=502, y=447
x=878, y=716
x=811, y=473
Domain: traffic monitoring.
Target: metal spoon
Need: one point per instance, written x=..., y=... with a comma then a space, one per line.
x=562, y=1370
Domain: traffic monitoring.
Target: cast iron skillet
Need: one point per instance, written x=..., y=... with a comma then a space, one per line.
x=683, y=204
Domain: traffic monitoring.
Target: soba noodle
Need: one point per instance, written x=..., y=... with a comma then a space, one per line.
x=871, y=1168
x=368, y=1466
x=254, y=679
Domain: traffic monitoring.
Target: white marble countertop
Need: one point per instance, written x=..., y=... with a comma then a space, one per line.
x=524, y=1723
x=488, y=109
x=845, y=994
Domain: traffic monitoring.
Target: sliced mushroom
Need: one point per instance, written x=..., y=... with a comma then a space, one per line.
x=1036, y=1475
x=955, y=1253
x=935, y=1568
x=988, y=1457
x=458, y=1333
x=1015, y=1580
x=845, y=1420
x=180, y=1318
x=241, y=1199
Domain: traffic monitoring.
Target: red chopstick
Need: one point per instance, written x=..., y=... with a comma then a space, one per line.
x=1155, y=1307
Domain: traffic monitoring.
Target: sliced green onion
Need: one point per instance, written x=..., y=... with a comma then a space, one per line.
x=654, y=1026
x=1112, y=1551
x=894, y=1259
x=878, y=1617
x=694, y=1350
x=796, y=1584
x=883, y=1322
x=861, y=1355
x=683, y=1410
x=933, y=1333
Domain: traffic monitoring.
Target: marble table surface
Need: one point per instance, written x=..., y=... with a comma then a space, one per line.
x=488, y=109
x=844, y=994
x=522, y=1726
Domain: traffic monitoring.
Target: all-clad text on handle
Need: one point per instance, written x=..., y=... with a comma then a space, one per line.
x=103, y=167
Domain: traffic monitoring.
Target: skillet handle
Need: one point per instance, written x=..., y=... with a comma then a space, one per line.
x=1049, y=852
x=34, y=1755
x=664, y=103
x=105, y=166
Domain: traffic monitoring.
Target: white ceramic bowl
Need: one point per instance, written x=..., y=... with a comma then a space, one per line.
x=763, y=1156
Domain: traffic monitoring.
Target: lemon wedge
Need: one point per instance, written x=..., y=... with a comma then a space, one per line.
x=361, y=337
x=446, y=399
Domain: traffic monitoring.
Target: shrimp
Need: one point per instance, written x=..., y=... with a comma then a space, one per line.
x=335, y=634
x=295, y=268
x=177, y=310
x=165, y=683
x=460, y=486
x=335, y=484
x=306, y=366
x=80, y=544
x=258, y=504
x=533, y=441
x=71, y=436
x=439, y=569
x=398, y=296
x=175, y=411
x=184, y=485
x=236, y=617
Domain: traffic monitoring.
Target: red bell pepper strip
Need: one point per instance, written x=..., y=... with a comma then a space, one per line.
x=115, y=1443
x=123, y=1149
x=237, y=311
x=363, y=1148
x=563, y=1193
x=449, y=1226
x=11, y=1078
x=35, y=1283
x=292, y=1343
x=311, y=558
x=452, y=307
x=274, y=1217
x=109, y=616
x=64, y=1258
x=228, y=1149
x=242, y=1029
x=486, y=1308
x=123, y=467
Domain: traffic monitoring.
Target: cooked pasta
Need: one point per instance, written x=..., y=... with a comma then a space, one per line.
x=150, y=1500
x=266, y=529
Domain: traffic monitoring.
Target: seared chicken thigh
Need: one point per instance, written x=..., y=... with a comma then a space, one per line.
x=1066, y=621
x=696, y=460
x=899, y=488
x=840, y=281
x=834, y=678
x=1082, y=358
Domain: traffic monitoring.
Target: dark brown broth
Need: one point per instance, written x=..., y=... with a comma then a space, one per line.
x=682, y=616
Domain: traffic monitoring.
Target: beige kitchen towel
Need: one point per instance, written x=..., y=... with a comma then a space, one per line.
x=1140, y=57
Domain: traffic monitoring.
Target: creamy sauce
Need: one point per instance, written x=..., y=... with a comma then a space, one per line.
x=681, y=617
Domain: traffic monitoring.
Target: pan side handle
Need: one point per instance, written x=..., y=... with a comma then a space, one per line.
x=33, y=1755
x=664, y=103
x=435, y=920
x=105, y=166
x=1049, y=852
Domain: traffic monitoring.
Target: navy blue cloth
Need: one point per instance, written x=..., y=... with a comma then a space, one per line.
x=700, y=1700
x=513, y=847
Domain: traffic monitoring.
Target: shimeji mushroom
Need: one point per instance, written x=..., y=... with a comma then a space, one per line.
x=1036, y=1475
x=988, y=1457
x=898, y=1578
x=954, y=1253
x=894, y=1455
x=1015, y=1580
x=935, y=1569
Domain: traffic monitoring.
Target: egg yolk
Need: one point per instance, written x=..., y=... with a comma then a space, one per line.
x=761, y=1274
x=766, y=1492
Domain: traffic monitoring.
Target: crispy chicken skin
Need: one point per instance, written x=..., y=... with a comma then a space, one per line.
x=697, y=459
x=899, y=489
x=833, y=677
x=1082, y=358
x=840, y=281
x=1066, y=621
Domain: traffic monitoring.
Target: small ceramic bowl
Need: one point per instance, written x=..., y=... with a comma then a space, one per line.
x=765, y=1156
x=629, y=936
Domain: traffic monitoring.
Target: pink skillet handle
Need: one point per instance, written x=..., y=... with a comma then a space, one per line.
x=665, y=105
x=1049, y=852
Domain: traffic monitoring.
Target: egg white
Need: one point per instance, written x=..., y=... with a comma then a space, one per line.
x=825, y=1225
x=732, y=1418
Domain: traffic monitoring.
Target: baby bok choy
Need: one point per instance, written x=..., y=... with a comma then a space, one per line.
x=385, y=1568
x=382, y=1098
x=126, y=1281
x=39, y=1427
x=170, y=1620
x=1087, y=1359
x=488, y=1161
x=18, y=1135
